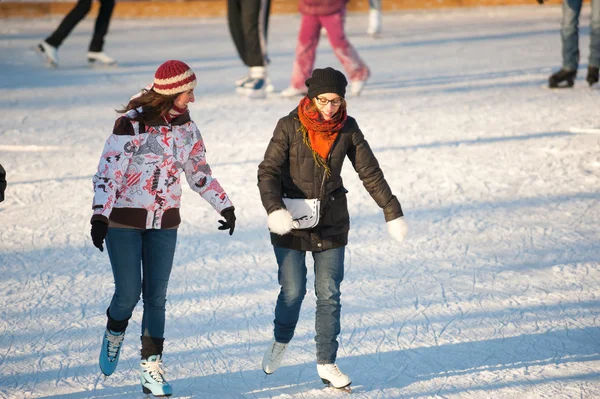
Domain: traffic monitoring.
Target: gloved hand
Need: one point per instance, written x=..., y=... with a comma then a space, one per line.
x=229, y=222
x=99, y=230
x=398, y=228
x=280, y=221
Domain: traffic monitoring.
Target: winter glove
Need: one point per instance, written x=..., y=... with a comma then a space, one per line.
x=398, y=228
x=99, y=230
x=280, y=221
x=229, y=222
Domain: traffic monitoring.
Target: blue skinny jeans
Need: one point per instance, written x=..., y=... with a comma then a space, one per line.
x=329, y=273
x=141, y=262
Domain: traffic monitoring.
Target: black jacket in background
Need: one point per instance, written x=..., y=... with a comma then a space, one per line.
x=2, y=183
x=289, y=170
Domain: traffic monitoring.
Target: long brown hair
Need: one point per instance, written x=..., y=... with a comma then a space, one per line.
x=155, y=106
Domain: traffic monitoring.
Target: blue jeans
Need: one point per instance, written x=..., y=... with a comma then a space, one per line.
x=329, y=273
x=136, y=253
x=569, y=32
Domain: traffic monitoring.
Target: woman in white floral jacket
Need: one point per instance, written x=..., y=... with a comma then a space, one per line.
x=137, y=194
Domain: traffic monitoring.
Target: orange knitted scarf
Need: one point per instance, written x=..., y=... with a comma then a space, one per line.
x=319, y=134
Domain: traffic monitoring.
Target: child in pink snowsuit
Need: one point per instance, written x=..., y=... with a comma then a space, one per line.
x=329, y=14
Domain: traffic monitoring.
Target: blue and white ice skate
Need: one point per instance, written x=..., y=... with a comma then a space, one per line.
x=152, y=377
x=111, y=348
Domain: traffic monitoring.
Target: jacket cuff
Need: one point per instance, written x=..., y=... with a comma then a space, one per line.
x=392, y=209
x=99, y=218
x=229, y=208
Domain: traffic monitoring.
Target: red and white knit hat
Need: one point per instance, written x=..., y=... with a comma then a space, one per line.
x=173, y=77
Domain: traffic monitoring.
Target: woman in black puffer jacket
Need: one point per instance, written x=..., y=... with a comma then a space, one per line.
x=303, y=161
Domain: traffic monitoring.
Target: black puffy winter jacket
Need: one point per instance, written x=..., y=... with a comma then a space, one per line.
x=289, y=170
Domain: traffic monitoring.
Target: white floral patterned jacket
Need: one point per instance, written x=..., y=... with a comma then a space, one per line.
x=138, y=178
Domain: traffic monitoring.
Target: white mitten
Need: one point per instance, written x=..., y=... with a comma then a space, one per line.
x=280, y=221
x=398, y=228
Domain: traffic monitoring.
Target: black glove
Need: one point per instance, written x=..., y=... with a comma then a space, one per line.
x=540, y=1
x=99, y=230
x=229, y=222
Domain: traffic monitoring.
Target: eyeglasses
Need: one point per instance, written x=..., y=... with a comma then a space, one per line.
x=322, y=101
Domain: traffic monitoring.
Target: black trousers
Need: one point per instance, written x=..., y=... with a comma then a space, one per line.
x=76, y=15
x=248, y=22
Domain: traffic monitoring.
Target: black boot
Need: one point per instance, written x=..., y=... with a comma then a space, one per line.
x=592, y=75
x=562, y=79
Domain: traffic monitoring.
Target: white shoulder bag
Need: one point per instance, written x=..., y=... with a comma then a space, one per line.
x=305, y=212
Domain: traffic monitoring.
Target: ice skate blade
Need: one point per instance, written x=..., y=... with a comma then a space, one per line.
x=148, y=392
x=345, y=388
x=252, y=94
x=93, y=64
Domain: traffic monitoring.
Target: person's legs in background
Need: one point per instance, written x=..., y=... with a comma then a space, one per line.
x=594, y=59
x=569, y=32
x=306, y=52
x=374, y=27
x=355, y=67
x=95, y=52
x=252, y=34
x=48, y=48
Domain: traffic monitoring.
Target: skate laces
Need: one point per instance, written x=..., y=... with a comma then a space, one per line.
x=278, y=349
x=155, y=369
x=333, y=369
x=114, y=344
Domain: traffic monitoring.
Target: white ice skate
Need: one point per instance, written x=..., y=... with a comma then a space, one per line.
x=273, y=357
x=356, y=87
x=100, y=58
x=269, y=88
x=374, y=28
x=331, y=375
x=293, y=92
x=48, y=53
x=256, y=84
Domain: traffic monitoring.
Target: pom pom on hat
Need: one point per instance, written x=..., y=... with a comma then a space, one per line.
x=327, y=80
x=173, y=77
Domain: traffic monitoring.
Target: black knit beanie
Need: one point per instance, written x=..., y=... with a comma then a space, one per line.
x=327, y=80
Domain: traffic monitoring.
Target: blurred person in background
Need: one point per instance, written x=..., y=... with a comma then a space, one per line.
x=302, y=191
x=137, y=195
x=2, y=182
x=374, y=28
x=329, y=14
x=48, y=48
x=248, y=22
x=569, y=32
